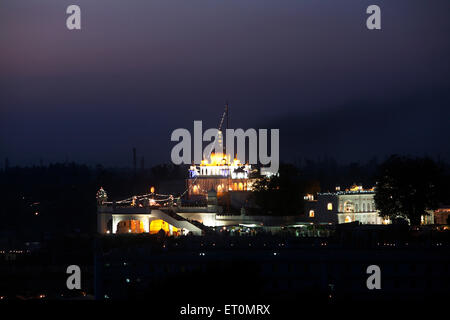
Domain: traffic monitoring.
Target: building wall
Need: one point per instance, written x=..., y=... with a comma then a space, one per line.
x=342, y=208
x=441, y=216
x=220, y=185
x=362, y=217
x=116, y=218
x=323, y=210
x=361, y=202
x=358, y=207
x=102, y=222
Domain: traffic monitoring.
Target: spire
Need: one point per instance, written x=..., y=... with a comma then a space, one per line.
x=227, y=110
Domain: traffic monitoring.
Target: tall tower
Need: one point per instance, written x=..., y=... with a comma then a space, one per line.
x=219, y=143
x=227, y=112
x=228, y=198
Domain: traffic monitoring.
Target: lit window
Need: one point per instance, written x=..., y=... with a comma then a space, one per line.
x=348, y=219
x=311, y=213
x=330, y=206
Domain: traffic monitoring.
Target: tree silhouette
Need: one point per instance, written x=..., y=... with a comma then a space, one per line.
x=407, y=187
x=280, y=194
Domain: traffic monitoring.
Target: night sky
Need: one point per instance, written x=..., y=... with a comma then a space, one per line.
x=139, y=69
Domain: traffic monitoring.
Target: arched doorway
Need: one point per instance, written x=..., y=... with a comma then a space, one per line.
x=349, y=206
x=130, y=226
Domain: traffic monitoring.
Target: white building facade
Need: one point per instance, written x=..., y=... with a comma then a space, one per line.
x=355, y=204
x=358, y=206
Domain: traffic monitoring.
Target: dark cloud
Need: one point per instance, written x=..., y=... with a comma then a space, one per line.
x=360, y=130
x=139, y=69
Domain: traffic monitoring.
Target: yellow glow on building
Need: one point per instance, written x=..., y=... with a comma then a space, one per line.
x=219, y=173
x=220, y=159
x=157, y=225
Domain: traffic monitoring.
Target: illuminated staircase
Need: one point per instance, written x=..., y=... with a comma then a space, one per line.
x=177, y=221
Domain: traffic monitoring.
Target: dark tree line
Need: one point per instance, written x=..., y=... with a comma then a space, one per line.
x=63, y=195
x=280, y=194
x=408, y=187
x=60, y=197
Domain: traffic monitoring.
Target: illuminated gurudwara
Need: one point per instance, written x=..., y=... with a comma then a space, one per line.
x=220, y=174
